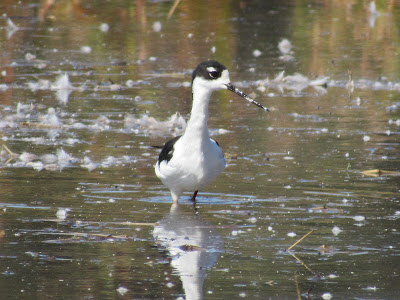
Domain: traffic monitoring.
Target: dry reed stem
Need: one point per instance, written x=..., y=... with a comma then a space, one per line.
x=172, y=10
x=300, y=240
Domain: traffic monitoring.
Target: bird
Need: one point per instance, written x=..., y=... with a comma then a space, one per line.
x=190, y=162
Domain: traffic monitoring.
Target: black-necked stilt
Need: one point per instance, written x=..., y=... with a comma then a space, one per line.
x=189, y=162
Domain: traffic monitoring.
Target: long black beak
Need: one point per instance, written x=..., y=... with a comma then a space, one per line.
x=232, y=88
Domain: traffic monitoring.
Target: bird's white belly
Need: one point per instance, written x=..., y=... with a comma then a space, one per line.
x=192, y=166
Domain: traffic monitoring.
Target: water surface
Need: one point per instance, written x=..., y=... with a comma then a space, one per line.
x=87, y=89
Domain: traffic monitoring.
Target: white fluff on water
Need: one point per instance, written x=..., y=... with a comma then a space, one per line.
x=88, y=164
x=176, y=124
x=285, y=46
x=62, y=82
x=50, y=118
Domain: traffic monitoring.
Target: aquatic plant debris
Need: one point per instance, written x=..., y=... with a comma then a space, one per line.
x=79, y=237
x=378, y=173
x=173, y=8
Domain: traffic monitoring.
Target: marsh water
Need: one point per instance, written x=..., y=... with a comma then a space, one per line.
x=87, y=88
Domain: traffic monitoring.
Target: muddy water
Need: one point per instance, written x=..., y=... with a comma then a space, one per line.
x=86, y=90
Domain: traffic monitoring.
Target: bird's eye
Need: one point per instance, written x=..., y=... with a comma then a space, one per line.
x=213, y=74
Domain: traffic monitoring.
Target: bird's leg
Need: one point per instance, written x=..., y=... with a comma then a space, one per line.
x=194, y=202
x=194, y=196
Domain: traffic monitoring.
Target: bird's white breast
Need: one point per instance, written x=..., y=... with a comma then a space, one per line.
x=194, y=164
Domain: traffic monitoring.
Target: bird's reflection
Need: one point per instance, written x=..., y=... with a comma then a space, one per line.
x=194, y=246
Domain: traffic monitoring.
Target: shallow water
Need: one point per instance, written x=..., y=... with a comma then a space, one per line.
x=86, y=90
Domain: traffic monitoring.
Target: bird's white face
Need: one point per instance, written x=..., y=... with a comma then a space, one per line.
x=212, y=76
x=217, y=80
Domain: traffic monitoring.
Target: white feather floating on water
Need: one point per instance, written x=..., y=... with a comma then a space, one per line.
x=11, y=28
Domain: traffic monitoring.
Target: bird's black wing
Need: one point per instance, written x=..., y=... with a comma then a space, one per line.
x=168, y=150
x=216, y=142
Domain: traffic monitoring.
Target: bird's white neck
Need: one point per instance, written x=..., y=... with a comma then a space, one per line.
x=197, y=124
